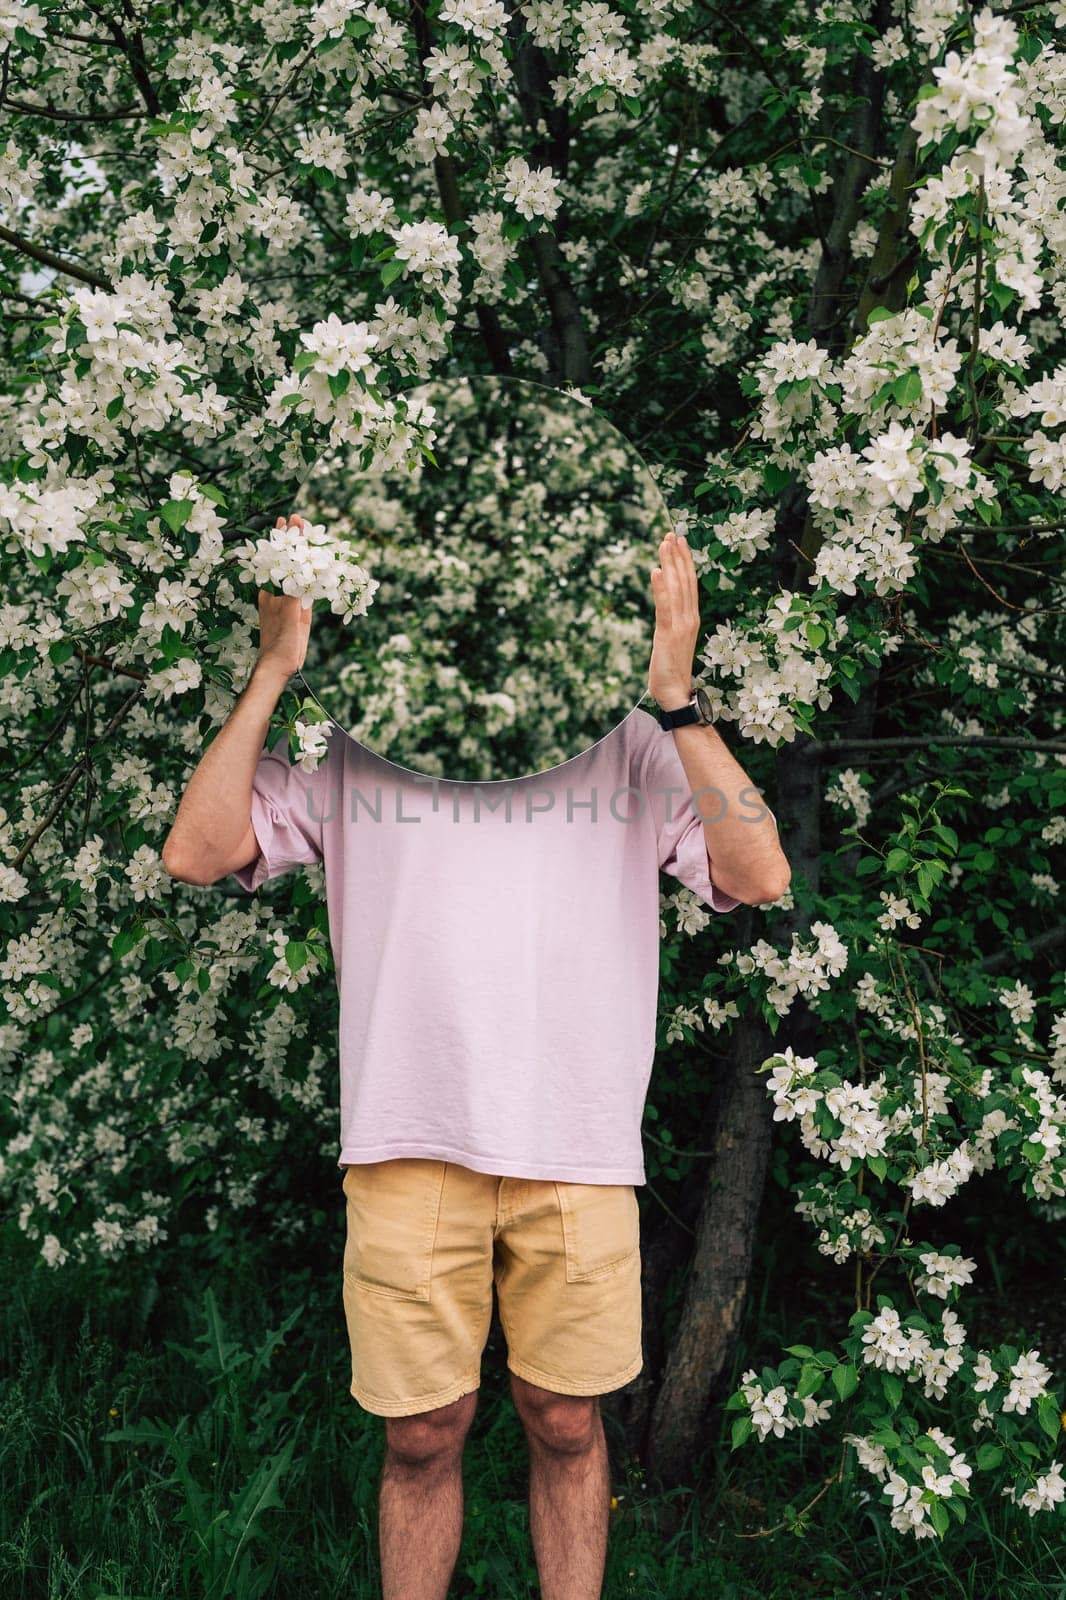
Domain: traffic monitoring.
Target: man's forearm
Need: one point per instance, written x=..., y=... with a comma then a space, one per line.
x=215, y=811
x=742, y=843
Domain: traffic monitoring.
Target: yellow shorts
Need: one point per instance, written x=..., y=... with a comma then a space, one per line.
x=426, y=1241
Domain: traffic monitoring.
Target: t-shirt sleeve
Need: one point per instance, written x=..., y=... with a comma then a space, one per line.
x=678, y=826
x=289, y=805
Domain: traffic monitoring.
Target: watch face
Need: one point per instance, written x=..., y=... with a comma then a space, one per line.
x=703, y=702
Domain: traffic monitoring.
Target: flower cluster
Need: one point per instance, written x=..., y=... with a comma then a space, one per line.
x=980, y=89
x=806, y=969
x=310, y=562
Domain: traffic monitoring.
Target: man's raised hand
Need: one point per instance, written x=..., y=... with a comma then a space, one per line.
x=677, y=624
x=284, y=626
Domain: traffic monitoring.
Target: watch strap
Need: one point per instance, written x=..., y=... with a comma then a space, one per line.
x=678, y=719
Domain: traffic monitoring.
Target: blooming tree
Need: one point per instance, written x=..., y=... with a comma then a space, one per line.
x=813, y=264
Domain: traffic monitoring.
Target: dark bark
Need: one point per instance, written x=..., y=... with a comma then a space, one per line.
x=47, y=258
x=1043, y=944
x=132, y=46
x=896, y=251
x=703, y=1349
x=829, y=303
x=663, y=1249
x=492, y=333
x=568, y=350
x=721, y=1262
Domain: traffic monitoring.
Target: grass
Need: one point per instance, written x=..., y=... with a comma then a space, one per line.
x=192, y=1435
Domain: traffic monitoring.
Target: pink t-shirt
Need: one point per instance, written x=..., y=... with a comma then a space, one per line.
x=496, y=946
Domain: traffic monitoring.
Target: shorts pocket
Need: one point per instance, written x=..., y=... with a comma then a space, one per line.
x=392, y=1210
x=601, y=1228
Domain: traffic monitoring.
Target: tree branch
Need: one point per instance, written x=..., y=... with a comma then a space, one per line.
x=921, y=742
x=132, y=45
x=1042, y=945
x=27, y=108
x=37, y=253
x=81, y=765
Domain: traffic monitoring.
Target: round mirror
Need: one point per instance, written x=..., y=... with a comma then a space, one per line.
x=510, y=615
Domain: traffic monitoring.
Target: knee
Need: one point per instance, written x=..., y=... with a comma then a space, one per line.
x=563, y=1423
x=430, y=1438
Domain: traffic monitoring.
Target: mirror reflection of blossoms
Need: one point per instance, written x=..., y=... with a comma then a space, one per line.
x=508, y=616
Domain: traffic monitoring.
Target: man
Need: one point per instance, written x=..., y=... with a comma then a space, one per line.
x=496, y=949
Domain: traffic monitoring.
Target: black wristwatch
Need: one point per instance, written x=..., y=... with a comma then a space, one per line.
x=699, y=709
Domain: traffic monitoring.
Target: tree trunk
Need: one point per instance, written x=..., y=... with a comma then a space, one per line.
x=721, y=1261
x=567, y=343
x=451, y=202
x=740, y=1142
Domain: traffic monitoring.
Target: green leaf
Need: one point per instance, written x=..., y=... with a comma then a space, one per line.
x=741, y=1430
x=879, y=314
x=810, y=1381
x=907, y=388
x=893, y=1388
x=790, y=386
x=305, y=360
x=632, y=105
x=125, y=940
x=845, y=1379
x=358, y=27
x=339, y=382
x=1048, y=1414
x=171, y=643
x=113, y=407
x=1000, y=294
x=60, y=650
x=391, y=270
x=816, y=635
x=175, y=513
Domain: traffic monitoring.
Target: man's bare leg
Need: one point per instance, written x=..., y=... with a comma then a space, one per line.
x=569, y=1489
x=420, y=1507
